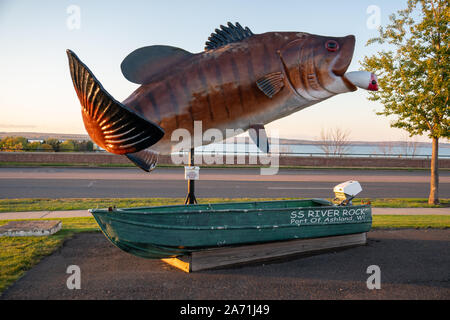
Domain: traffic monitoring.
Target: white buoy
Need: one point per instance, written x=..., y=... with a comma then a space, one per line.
x=363, y=79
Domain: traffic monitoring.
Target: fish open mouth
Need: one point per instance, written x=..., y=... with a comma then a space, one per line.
x=348, y=83
x=344, y=61
x=342, y=74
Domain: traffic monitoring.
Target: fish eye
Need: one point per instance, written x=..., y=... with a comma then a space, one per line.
x=332, y=46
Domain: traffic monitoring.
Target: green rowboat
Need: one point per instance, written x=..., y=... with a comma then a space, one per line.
x=170, y=231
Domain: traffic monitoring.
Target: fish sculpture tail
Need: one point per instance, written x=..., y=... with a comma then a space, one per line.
x=110, y=124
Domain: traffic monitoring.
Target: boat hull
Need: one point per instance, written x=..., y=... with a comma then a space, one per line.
x=170, y=231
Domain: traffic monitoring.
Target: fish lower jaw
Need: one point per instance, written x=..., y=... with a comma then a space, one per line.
x=340, y=85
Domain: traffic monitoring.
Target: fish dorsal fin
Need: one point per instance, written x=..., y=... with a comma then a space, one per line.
x=141, y=65
x=226, y=35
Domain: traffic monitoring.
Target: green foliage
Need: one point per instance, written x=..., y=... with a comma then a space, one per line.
x=55, y=143
x=83, y=145
x=13, y=143
x=45, y=147
x=67, y=145
x=414, y=73
x=21, y=144
x=33, y=146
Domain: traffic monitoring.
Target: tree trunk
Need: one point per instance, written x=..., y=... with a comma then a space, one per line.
x=434, y=185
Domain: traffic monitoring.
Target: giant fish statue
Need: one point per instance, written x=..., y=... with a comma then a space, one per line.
x=241, y=81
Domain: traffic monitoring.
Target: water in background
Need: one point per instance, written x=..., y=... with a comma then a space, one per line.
x=360, y=150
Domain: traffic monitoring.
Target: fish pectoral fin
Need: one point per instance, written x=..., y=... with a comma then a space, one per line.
x=141, y=65
x=271, y=83
x=258, y=135
x=145, y=159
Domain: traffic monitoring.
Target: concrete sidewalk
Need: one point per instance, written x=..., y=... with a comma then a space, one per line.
x=85, y=213
x=44, y=214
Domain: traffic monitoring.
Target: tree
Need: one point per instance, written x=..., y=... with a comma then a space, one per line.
x=414, y=74
x=89, y=146
x=409, y=146
x=67, y=145
x=54, y=143
x=13, y=143
x=334, y=141
x=85, y=145
x=385, y=148
x=34, y=146
x=45, y=147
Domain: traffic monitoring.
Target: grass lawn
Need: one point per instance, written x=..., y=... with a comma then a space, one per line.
x=17, y=205
x=415, y=222
x=19, y=254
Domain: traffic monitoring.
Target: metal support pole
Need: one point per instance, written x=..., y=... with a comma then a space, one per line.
x=190, y=198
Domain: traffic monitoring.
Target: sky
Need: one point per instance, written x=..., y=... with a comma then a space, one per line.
x=36, y=91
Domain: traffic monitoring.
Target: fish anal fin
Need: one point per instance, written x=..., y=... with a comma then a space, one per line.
x=144, y=159
x=258, y=135
x=271, y=83
x=141, y=65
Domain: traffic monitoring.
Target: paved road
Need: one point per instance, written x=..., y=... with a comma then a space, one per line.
x=230, y=183
x=414, y=265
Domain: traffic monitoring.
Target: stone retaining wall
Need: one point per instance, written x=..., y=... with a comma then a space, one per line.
x=107, y=158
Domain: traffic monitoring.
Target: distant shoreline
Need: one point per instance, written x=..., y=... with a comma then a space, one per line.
x=282, y=141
